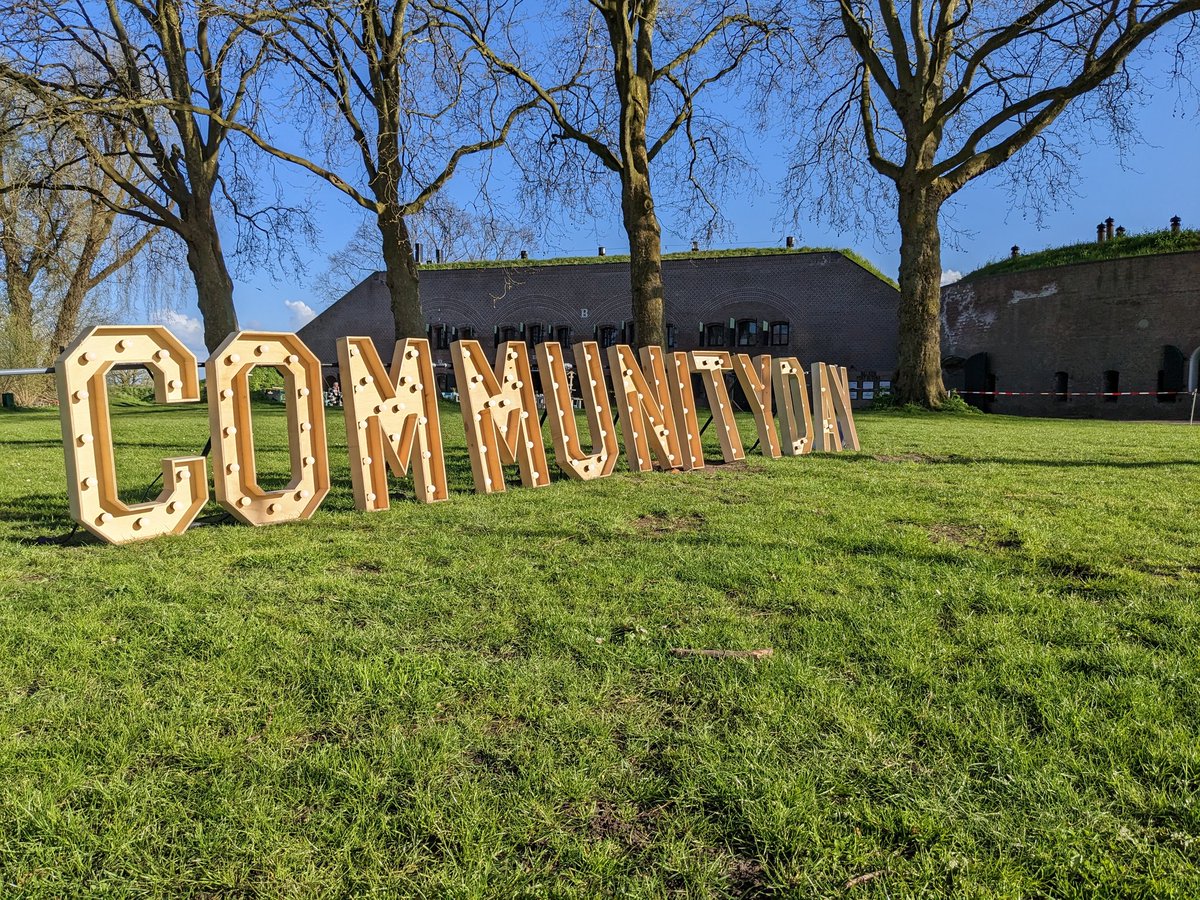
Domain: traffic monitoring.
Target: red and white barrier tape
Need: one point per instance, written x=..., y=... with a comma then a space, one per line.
x=1075, y=393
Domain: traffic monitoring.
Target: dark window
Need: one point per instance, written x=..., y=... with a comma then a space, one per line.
x=1172, y=377
x=1062, y=384
x=509, y=333
x=1112, y=384
x=562, y=334
x=608, y=336
x=534, y=333
x=747, y=332
x=670, y=336
x=714, y=334
x=441, y=334
x=466, y=333
x=781, y=334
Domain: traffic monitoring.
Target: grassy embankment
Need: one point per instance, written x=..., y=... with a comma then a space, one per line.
x=1148, y=244
x=986, y=680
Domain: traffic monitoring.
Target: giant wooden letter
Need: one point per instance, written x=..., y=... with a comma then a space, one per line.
x=647, y=419
x=683, y=399
x=840, y=389
x=391, y=420
x=568, y=451
x=712, y=366
x=755, y=379
x=791, y=394
x=81, y=373
x=500, y=414
x=826, y=437
x=229, y=416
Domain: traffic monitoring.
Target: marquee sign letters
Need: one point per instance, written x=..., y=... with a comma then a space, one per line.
x=393, y=421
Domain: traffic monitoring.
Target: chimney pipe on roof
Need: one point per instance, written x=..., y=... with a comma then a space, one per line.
x=524, y=254
x=789, y=242
x=1016, y=251
x=600, y=250
x=1120, y=231
x=1100, y=233
x=1176, y=223
x=1108, y=228
x=695, y=246
x=437, y=254
x=417, y=253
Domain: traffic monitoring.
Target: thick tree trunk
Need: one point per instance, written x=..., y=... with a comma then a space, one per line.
x=214, y=287
x=403, y=278
x=919, y=375
x=645, y=259
x=66, y=323
x=22, y=344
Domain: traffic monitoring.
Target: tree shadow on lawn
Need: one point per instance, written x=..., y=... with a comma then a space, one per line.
x=956, y=460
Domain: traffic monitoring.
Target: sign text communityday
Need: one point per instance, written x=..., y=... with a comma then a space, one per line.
x=393, y=422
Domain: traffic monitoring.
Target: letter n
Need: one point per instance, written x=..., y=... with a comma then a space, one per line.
x=647, y=418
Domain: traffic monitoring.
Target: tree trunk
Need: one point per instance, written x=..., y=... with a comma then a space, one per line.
x=403, y=278
x=22, y=344
x=645, y=258
x=919, y=376
x=214, y=287
x=66, y=323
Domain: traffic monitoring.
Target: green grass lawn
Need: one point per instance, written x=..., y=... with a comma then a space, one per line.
x=986, y=679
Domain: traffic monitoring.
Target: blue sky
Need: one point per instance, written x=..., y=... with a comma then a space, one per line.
x=1158, y=179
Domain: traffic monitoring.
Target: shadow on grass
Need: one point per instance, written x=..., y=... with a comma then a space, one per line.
x=1011, y=461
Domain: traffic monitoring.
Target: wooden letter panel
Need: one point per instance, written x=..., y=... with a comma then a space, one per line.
x=230, y=418
x=80, y=373
x=392, y=420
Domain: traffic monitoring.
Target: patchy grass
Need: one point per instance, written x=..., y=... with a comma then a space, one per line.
x=851, y=255
x=1149, y=244
x=986, y=678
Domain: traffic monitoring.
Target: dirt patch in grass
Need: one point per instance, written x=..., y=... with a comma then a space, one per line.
x=972, y=536
x=962, y=535
x=902, y=457
x=745, y=876
x=662, y=523
x=607, y=823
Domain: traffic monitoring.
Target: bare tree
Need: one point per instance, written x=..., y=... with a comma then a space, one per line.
x=931, y=95
x=134, y=72
x=400, y=104
x=441, y=227
x=620, y=108
x=56, y=247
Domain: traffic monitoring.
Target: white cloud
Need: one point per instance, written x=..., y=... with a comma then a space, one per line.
x=188, y=329
x=302, y=313
x=949, y=276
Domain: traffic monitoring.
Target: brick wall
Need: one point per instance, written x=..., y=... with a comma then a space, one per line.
x=836, y=310
x=1083, y=319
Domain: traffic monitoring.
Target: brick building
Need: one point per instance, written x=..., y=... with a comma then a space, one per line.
x=816, y=306
x=1129, y=324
